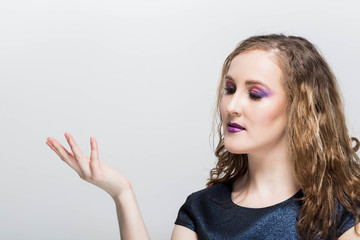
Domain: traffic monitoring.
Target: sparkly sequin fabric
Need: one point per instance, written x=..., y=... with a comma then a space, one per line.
x=212, y=215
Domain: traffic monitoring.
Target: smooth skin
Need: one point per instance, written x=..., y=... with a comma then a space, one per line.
x=107, y=178
x=270, y=178
x=264, y=140
x=119, y=188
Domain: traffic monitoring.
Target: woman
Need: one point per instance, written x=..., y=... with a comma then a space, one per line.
x=286, y=166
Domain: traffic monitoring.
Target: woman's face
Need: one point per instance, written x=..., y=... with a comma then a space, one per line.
x=255, y=100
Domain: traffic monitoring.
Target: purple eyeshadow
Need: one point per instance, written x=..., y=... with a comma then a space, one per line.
x=261, y=92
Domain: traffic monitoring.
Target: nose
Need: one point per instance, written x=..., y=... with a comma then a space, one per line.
x=234, y=105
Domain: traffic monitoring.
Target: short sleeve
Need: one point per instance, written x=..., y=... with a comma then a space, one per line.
x=347, y=221
x=185, y=215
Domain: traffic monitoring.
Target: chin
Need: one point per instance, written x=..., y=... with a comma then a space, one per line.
x=235, y=148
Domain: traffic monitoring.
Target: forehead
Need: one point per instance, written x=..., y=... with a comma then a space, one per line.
x=256, y=65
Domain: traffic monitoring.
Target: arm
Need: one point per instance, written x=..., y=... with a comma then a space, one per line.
x=183, y=233
x=350, y=234
x=110, y=180
x=131, y=224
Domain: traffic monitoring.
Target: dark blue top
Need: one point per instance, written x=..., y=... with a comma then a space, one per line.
x=213, y=215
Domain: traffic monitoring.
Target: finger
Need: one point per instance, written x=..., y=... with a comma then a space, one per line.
x=81, y=159
x=74, y=147
x=51, y=146
x=59, y=149
x=63, y=153
x=94, y=157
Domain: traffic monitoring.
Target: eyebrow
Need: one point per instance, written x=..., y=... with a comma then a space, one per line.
x=249, y=81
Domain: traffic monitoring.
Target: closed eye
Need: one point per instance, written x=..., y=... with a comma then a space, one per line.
x=252, y=95
x=229, y=90
x=255, y=96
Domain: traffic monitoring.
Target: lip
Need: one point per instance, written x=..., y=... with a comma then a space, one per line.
x=234, y=127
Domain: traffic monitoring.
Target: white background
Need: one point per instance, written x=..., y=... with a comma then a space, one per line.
x=140, y=76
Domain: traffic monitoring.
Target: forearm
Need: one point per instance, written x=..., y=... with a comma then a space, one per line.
x=129, y=216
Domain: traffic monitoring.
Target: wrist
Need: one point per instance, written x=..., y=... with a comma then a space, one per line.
x=125, y=194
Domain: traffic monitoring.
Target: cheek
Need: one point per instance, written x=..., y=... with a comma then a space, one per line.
x=224, y=114
x=269, y=116
x=222, y=109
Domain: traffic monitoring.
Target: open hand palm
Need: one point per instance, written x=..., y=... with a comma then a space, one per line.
x=91, y=169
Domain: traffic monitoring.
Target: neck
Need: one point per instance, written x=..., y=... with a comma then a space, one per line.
x=270, y=173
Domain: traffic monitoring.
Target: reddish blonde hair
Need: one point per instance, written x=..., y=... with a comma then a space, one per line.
x=325, y=162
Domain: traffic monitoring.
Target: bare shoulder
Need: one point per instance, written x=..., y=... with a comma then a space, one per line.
x=183, y=233
x=350, y=234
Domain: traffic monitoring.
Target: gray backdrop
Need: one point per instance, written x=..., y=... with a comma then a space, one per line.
x=140, y=76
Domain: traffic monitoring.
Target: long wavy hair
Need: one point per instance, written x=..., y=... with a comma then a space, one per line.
x=326, y=165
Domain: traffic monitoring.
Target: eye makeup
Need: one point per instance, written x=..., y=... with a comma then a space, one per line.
x=229, y=88
x=259, y=92
x=255, y=93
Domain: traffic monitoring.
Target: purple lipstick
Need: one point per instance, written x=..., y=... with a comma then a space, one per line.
x=234, y=127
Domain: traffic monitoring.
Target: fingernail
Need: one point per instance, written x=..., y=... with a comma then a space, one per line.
x=50, y=143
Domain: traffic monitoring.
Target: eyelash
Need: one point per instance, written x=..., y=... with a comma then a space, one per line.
x=254, y=96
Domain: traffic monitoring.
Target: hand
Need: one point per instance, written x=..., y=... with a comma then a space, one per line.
x=91, y=170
